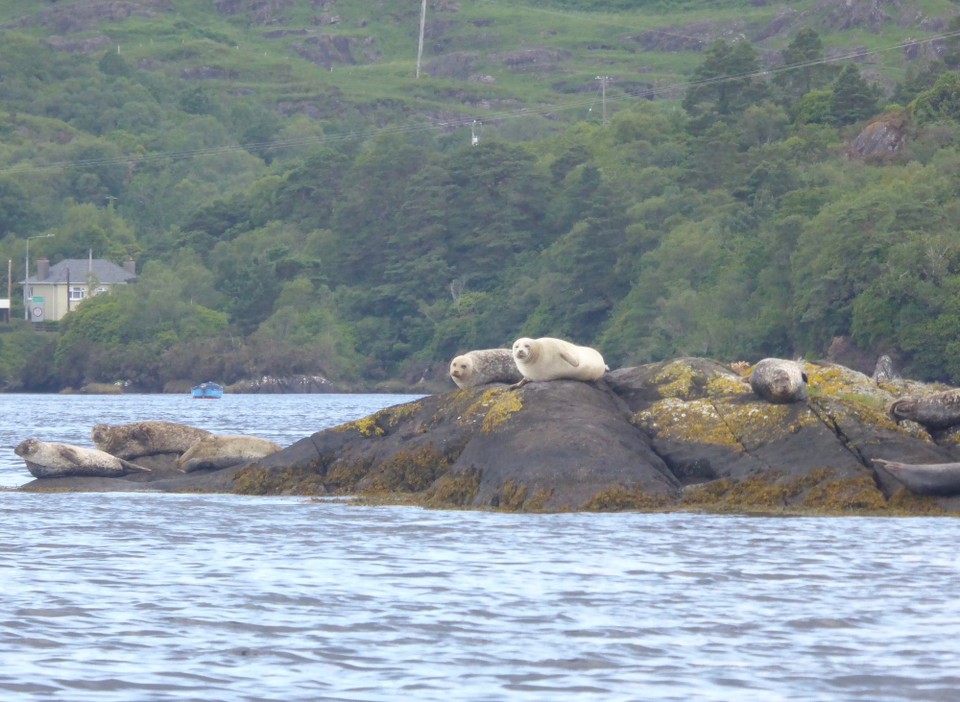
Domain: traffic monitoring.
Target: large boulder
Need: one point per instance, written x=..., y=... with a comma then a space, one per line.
x=548, y=446
x=689, y=433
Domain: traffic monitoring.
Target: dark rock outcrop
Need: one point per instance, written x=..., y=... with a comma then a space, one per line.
x=683, y=434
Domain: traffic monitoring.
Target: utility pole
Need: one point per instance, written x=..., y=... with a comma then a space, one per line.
x=423, y=21
x=603, y=95
x=9, y=286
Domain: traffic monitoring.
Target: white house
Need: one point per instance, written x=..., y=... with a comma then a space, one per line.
x=58, y=289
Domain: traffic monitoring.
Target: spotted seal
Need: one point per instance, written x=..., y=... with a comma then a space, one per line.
x=935, y=411
x=778, y=381
x=547, y=358
x=47, y=459
x=224, y=450
x=145, y=438
x=484, y=366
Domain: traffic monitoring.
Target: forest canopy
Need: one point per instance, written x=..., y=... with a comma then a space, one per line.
x=736, y=222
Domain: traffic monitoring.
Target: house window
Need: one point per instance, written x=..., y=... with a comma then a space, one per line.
x=100, y=289
x=77, y=293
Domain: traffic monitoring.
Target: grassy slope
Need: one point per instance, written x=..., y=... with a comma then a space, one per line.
x=644, y=53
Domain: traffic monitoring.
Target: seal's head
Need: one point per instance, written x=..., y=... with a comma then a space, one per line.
x=525, y=349
x=460, y=368
x=99, y=433
x=27, y=447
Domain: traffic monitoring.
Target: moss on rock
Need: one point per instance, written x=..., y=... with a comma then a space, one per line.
x=344, y=475
x=620, y=499
x=453, y=490
x=289, y=481
x=406, y=471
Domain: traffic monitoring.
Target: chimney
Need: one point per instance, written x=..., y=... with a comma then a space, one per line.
x=130, y=266
x=43, y=269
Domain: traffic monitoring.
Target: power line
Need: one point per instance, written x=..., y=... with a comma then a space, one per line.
x=428, y=125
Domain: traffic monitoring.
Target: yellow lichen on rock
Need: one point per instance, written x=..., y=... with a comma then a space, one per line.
x=366, y=426
x=506, y=405
x=720, y=424
x=677, y=420
x=377, y=423
x=675, y=380
x=721, y=385
x=492, y=408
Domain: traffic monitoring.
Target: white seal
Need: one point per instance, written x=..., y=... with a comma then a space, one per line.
x=547, y=358
x=46, y=459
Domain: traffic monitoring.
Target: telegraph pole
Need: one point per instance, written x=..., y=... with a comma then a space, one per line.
x=603, y=95
x=423, y=20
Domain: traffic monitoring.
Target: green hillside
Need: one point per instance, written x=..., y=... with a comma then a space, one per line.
x=654, y=178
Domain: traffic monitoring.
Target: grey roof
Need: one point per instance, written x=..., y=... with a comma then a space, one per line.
x=76, y=270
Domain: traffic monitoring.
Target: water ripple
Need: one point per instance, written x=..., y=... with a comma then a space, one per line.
x=120, y=597
x=184, y=597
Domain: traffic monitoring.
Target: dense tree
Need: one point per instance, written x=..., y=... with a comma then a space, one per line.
x=853, y=98
x=804, y=68
x=941, y=102
x=727, y=82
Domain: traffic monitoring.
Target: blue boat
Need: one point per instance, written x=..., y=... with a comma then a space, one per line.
x=207, y=391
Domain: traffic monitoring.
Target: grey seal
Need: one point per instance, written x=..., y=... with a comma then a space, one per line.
x=145, y=438
x=937, y=411
x=46, y=459
x=937, y=479
x=484, y=366
x=224, y=450
x=547, y=358
x=778, y=381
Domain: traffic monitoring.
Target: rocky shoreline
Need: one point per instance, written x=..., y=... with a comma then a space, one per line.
x=685, y=434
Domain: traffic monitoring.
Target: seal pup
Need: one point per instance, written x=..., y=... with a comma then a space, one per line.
x=46, y=459
x=778, y=381
x=145, y=438
x=484, y=366
x=936, y=411
x=547, y=358
x=224, y=450
x=942, y=479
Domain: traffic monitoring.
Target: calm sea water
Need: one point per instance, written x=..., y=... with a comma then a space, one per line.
x=215, y=597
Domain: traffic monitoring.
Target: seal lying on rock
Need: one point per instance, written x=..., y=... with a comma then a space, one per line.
x=145, y=438
x=484, y=366
x=779, y=381
x=547, y=358
x=223, y=450
x=941, y=479
x=937, y=411
x=51, y=460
